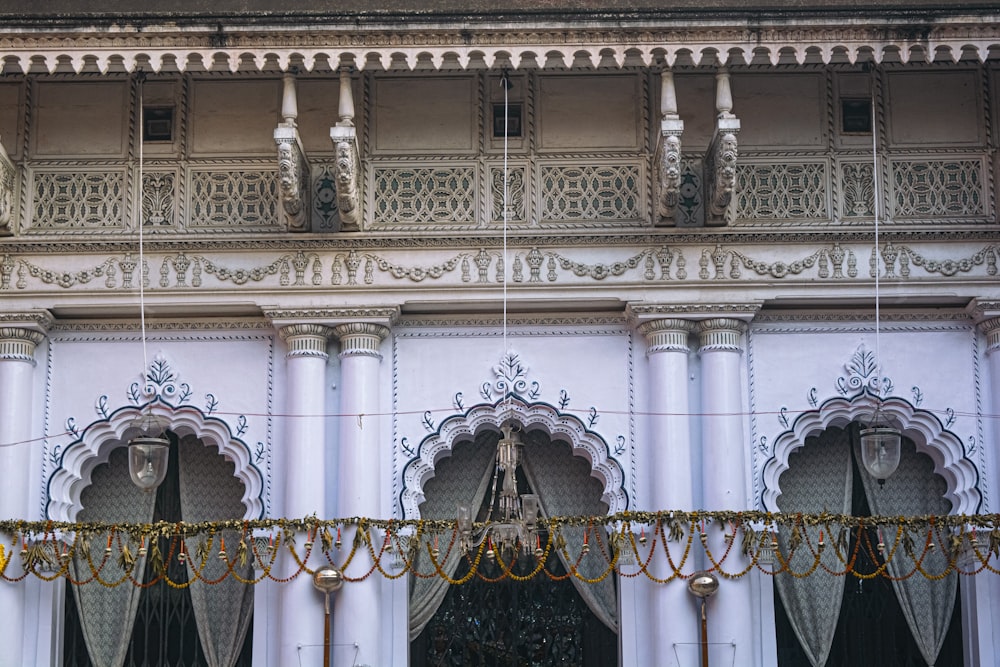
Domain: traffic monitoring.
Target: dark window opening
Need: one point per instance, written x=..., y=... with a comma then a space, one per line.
x=871, y=629
x=513, y=117
x=856, y=116
x=158, y=124
x=165, y=633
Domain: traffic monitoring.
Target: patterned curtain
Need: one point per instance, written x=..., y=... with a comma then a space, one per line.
x=210, y=491
x=914, y=489
x=460, y=479
x=107, y=615
x=818, y=479
x=566, y=488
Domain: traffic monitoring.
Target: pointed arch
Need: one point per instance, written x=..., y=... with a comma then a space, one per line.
x=944, y=448
x=557, y=425
x=77, y=461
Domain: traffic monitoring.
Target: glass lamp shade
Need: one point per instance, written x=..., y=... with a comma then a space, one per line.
x=880, y=451
x=147, y=461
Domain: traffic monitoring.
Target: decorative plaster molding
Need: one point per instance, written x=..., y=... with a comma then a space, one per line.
x=330, y=316
x=36, y=320
x=293, y=177
x=923, y=427
x=720, y=172
x=347, y=171
x=18, y=344
x=161, y=394
x=667, y=335
x=557, y=425
x=306, y=340
x=360, y=339
x=721, y=334
x=643, y=311
x=992, y=330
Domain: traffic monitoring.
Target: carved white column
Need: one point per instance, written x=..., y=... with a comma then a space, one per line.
x=304, y=457
x=17, y=363
x=357, y=618
x=669, y=463
x=723, y=462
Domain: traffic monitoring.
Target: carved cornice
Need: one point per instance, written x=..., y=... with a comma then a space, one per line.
x=293, y=176
x=322, y=45
x=35, y=320
x=746, y=310
x=386, y=313
x=347, y=169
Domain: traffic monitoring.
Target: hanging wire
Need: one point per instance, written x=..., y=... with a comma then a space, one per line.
x=878, y=255
x=141, y=77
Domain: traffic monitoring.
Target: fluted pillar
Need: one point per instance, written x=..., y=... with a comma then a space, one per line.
x=724, y=474
x=304, y=457
x=357, y=618
x=17, y=362
x=669, y=465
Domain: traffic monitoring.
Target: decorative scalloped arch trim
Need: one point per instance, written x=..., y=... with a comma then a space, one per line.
x=557, y=425
x=943, y=447
x=77, y=463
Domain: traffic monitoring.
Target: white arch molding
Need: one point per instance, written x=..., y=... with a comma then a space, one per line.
x=944, y=448
x=543, y=416
x=77, y=463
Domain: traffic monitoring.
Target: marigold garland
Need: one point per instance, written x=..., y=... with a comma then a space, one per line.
x=829, y=544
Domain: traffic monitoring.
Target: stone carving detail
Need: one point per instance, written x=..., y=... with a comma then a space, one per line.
x=824, y=259
x=416, y=273
x=690, y=206
x=668, y=175
x=233, y=198
x=293, y=175
x=7, y=173
x=720, y=172
x=282, y=266
x=347, y=170
x=324, y=196
x=158, y=199
x=78, y=199
x=944, y=267
x=938, y=188
x=424, y=194
x=650, y=260
x=782, y=191
x=604, y=192
x=515, y=194
x=858, y=186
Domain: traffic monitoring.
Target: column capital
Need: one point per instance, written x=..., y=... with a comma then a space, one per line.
x=667, y=335
x=721, y=333
x=306, y=340
x=360, y=338
x=33, y=320
x=991, y=328
x=18, y=344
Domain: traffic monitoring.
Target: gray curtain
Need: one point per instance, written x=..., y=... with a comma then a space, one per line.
x=210, y=491
x=914, y=489
x=107, y=615
x=566, y=488
x=460, y=479
x=818, y=479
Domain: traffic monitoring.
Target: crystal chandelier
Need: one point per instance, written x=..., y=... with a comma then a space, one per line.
x=515, y=526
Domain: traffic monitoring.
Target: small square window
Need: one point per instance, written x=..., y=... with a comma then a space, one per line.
x=513, y=120
x=158, y=124
x=856, y=116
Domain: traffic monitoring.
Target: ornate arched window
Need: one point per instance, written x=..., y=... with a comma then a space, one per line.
x=158, y=624
x=830, y=621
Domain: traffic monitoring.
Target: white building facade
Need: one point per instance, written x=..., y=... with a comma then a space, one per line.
x=368, y=241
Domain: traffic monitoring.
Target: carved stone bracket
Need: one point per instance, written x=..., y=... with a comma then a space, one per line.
x=293, y=174
x=668, y=170
x=720, y=172
x=668, y=152
x=720, y=161
x=7, y=173
x=346, y=170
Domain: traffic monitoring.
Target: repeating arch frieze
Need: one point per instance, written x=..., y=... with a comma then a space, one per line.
x=945, y=449
x=531, y=415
